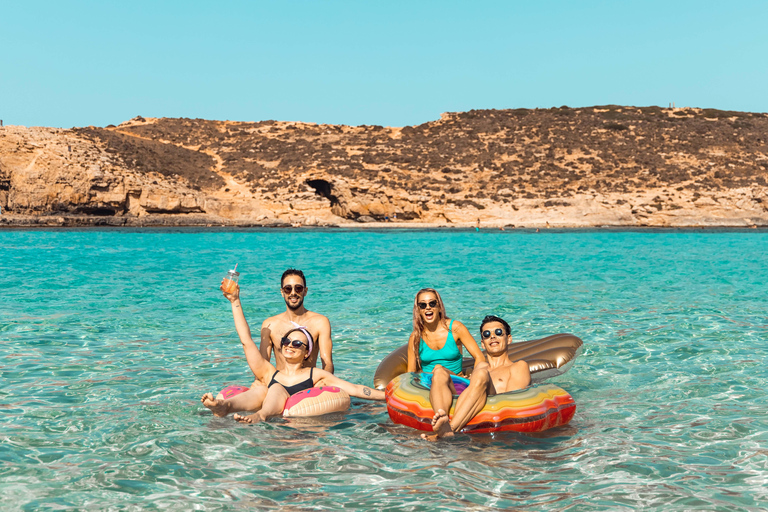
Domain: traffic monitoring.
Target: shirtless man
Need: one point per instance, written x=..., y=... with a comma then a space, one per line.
x=498, y=375
x=293, y=287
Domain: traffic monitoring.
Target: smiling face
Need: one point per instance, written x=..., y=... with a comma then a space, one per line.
x=495, y=338
x=429, y=307
x=293, y=291
x=294, y=346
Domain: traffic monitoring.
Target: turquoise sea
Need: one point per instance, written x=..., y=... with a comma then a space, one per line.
x=108, y=338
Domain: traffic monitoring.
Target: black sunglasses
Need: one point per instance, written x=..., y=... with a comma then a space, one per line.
x=289, y=288
x=294, y=343
x=498, y=332
x=423, y=305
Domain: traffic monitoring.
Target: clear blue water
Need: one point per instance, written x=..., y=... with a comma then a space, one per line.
x=109, y=338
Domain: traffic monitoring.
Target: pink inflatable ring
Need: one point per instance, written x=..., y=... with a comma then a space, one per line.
x=311, y=402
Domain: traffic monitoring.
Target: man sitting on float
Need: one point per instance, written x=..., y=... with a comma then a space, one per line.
x=277, y=386
x=498, y=375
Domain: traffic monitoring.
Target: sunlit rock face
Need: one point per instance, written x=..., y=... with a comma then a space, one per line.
x=560, y=167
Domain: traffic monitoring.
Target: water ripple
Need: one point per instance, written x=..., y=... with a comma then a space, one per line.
x=104, y=354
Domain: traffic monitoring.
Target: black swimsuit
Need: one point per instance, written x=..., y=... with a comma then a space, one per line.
x=292, y=390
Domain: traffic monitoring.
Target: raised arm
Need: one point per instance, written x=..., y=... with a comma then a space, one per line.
x=461, y=333
x=258, y=365
x=413, y=356
x=323, y=378
x=325, y=344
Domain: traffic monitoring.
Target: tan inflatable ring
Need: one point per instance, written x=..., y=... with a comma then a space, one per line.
x=546, y=358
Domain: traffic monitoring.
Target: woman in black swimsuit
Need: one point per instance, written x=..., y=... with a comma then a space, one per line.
x=295, y=346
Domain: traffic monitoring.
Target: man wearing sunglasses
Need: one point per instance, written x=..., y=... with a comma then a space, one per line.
x=500, y=373
x=293, y=287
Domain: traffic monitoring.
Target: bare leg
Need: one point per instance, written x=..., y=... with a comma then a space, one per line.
x=469, y=403
x=471, y=400
x=441, y=397
x=250, y=400
x=274, y=403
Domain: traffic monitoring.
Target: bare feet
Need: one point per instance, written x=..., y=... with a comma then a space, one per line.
x=441, y=425
x=251, y=418
x=218, y=406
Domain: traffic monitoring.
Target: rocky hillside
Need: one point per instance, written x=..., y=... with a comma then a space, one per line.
x=607, y=165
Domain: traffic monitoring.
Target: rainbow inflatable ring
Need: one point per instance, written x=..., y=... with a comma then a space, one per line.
x=533, y=409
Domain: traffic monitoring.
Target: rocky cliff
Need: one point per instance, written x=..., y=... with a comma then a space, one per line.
x=609, y=165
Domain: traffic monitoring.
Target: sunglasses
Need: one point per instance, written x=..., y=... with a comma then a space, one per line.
x=288, y=289
x=498, y=332
x=423, y=305
x=294, y=343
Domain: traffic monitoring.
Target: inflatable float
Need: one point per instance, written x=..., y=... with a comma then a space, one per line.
x=546, y=358
x=533, y=409
x=311, y=402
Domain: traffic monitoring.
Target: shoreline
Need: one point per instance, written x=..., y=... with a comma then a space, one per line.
x=21, y=222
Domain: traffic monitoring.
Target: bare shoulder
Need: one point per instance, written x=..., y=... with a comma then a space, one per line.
x=272, y=321
x=319, y=374
x=458, y=326
x=518, y=366
x=520, y=372
x=317, y=319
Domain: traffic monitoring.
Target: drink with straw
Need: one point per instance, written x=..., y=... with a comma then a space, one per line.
x=229, y=284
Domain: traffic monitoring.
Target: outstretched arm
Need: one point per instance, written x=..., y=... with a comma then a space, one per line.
x=259, y=366
x=323, y=378
x=325, y=345
x=461, y=333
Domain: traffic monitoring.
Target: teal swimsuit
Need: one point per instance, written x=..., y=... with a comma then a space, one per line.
x=448, y=356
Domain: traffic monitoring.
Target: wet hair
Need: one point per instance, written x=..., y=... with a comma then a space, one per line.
x=418, y=325
x=293, y=272
x=493, y=318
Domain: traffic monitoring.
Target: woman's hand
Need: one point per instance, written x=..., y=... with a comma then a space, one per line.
x=232, y=295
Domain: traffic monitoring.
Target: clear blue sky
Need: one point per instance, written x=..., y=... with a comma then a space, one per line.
x=395, y=63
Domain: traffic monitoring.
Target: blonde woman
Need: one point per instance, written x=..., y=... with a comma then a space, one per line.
x=435, y=346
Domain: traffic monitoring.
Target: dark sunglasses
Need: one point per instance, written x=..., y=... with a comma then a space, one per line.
x=423, y=305
x=498, y=332
x=294, y=343
x=290, y=288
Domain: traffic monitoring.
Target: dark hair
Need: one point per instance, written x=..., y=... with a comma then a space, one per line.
x=493, y=318
x=293, y=272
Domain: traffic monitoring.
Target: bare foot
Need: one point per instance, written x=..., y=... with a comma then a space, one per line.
x=218, y=406
x=251, y=418
x=441, y=425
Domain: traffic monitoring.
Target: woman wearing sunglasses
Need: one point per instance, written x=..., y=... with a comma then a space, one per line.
x=276, y=387
x=435, y=346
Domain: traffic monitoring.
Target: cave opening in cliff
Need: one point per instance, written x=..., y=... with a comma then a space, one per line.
x=324, y=189
x=98, y=211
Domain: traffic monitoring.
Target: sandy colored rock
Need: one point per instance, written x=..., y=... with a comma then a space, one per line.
x=610, y=165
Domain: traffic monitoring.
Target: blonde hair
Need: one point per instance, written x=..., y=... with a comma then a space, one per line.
x=418, y=325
